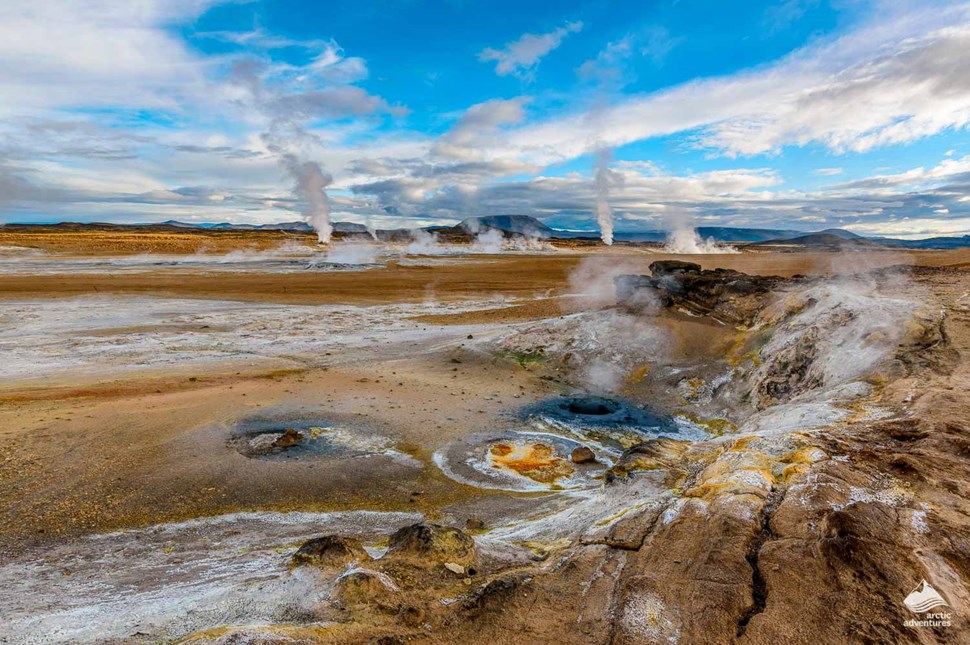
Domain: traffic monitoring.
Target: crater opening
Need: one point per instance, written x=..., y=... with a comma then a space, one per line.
x=591, y=407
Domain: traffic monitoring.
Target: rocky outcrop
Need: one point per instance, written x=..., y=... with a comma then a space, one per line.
x=330, y=551
x=725, y=294
x=432, y=543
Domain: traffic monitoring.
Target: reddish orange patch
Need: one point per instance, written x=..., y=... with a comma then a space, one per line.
x=536, y=461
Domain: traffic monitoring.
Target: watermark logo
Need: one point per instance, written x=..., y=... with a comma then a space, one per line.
x=921, y=600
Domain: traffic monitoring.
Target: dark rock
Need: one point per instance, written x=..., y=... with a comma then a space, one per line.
x=662, y=268
x=654, y=454
x=412, y=616
x=724, y=294
x=330, y=551
x=474, y=524
x=288, y=439
x=582, y=455
x=495, y=593
x=788, y=371
x=432, y=544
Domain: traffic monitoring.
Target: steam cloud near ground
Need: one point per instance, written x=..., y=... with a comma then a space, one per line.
x=604, y=179
x=683, y=238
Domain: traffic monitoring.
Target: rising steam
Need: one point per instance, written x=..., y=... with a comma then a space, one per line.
x=288, y=140
x=310, y=186
x=683, y=238
x=604, y=178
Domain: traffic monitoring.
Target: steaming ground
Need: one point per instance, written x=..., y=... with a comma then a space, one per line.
x=131, y=514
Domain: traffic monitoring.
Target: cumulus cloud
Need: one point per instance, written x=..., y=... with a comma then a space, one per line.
x=468, y=137
x=521, y=57
x=644, y=194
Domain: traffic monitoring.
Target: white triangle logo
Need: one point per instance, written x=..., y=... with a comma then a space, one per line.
x=923, y=598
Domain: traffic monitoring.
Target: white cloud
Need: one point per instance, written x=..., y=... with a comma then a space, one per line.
x=895, y=80
x=782, y=15
x=521, y=57
x=613, y=65
x=480, y=122
x=828, y=172
x=913, y=179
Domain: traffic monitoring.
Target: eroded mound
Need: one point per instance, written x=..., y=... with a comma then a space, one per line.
x=723, y=294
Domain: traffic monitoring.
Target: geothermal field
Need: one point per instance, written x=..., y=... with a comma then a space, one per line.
x=248, y=437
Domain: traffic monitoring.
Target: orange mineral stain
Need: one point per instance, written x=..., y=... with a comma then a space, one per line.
x=536, y=461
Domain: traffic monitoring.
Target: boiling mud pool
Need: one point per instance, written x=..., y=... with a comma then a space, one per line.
x=559, y=444
x=286, y=436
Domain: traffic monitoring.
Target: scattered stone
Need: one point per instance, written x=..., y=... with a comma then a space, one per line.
x=330, y=551
x=288, y=439
x=412, y=616
x=455, y=568
x=582, y=455
x=474, y=524
x=432, y=543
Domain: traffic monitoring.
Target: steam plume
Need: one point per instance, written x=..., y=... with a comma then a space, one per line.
x=288, y=140
x=310, y=186
x=604, y=214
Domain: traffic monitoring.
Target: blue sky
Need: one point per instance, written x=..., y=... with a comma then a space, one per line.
x=797, y=114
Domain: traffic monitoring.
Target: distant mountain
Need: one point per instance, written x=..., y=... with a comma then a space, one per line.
x=824, y=240
x=178, y=224
x=731, y=234
x=527, y=225
x=840, y=232
x=716, y=233
x=928, y=243
x=226, y=226
x=290, y=226
x=347, y=227
x=515, y=224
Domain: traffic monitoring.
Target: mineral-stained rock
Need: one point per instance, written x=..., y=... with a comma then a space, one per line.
x=725, y=294
x=363, y=587
x=432, y=544
x=474, y=524
x=289, y=439
x=582, y=455
x=787, y=371
x=330, y=551
x=655, y=454
x=492, y=594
